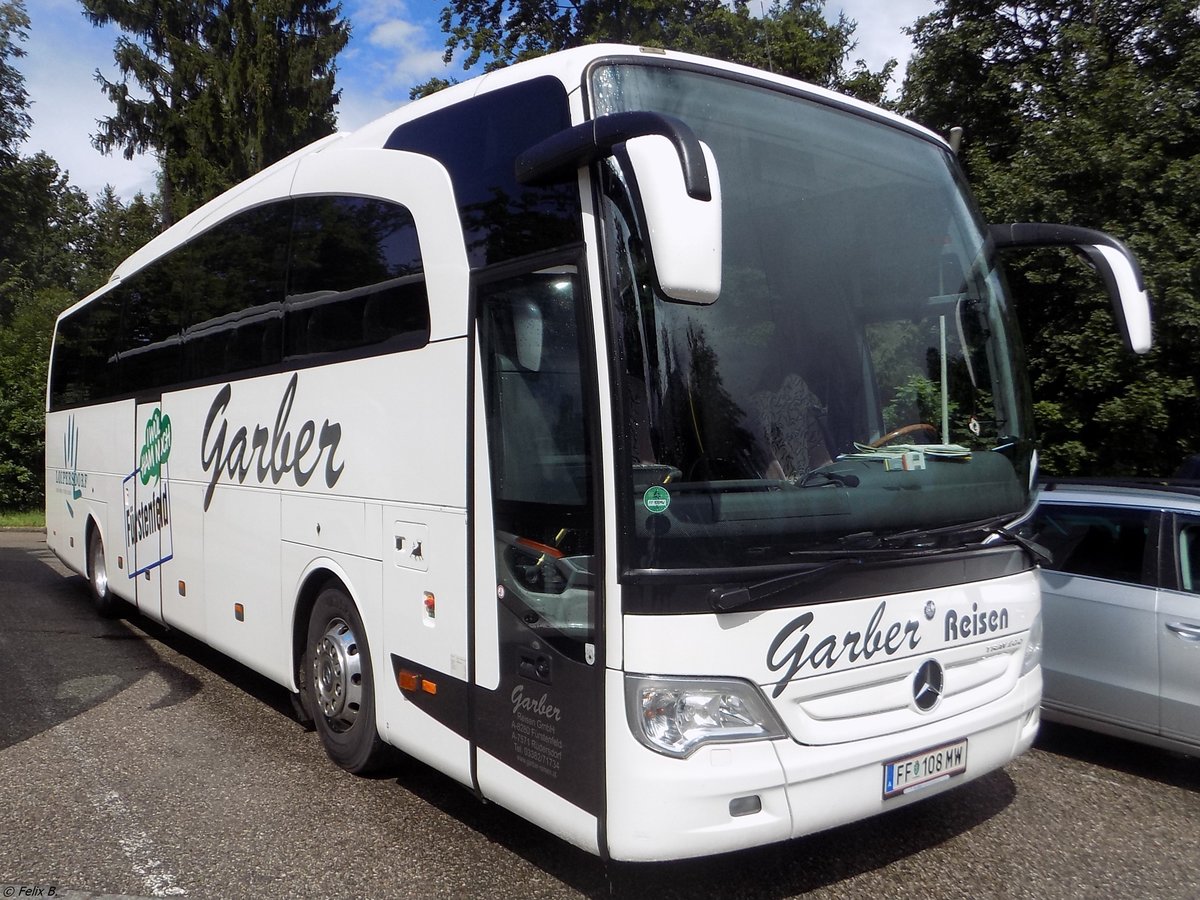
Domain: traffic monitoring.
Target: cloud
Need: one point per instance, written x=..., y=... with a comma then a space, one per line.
x=396, y=34
x=393, y=48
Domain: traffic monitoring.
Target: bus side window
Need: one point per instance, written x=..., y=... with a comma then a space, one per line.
x=530, y=333
x=233, y=278
x=356, y=283
x=80, y=371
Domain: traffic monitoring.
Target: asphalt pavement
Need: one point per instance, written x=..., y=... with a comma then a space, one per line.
x=134, y=762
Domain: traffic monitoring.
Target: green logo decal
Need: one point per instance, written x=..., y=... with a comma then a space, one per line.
x=157, y=447
x=656, y=499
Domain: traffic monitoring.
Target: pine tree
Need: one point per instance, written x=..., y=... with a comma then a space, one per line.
x=14, y=101
x=226, y=88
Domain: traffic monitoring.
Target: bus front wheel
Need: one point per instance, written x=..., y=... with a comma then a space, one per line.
x=341, y=689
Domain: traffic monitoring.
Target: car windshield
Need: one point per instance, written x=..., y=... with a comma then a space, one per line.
x=858, y=380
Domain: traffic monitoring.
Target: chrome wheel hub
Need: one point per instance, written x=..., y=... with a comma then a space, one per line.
x=99, y=571
x=337, y=675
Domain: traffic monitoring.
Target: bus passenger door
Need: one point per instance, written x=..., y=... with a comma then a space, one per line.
x=537, y=709
x=147, y=501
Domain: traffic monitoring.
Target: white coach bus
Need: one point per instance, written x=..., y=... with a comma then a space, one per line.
x=630, y=436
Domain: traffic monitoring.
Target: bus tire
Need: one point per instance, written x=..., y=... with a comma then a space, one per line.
x=341, y=689
x=105, y=600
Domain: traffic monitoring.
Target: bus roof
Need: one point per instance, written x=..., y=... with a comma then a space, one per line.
x=569, y=66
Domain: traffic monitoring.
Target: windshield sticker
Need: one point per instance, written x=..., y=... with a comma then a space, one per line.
x=148, y=540
x=656, y=499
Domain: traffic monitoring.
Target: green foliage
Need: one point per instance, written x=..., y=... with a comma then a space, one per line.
x=30, y=518
x=68, y=247
x=114, y=230
x=1084, y=112
x=44, y=225
x=14, y=101
x=432, y=86
x=54, y=247
x=226, y=88
x=791, y=37
x=918, y=399
x=24, y=350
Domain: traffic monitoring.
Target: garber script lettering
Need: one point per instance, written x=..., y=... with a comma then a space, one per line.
x=539, y=707
x=277, y=452
x=829, y=649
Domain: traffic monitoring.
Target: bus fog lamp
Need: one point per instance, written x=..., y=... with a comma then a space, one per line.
x=745, y=806
x=675, y=716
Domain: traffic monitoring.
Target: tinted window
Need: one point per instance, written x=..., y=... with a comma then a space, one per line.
x=234, y=277
x=216, y=306
x=1098, y=541
x=533, y=344
x=82, y=346
x=478, y=142
x=149, y=350
x=355, y=279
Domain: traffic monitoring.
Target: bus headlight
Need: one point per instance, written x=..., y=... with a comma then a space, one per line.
x=1033, y=646
x=674, y=716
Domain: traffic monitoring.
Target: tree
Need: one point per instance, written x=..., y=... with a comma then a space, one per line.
x=792, y=38
x=14, y=127
x=24, y=352
x=14, y=101
x=227, y=86
x=1084, y=111
x=114, y=230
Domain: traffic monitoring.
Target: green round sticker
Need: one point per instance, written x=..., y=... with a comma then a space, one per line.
x=656, y=499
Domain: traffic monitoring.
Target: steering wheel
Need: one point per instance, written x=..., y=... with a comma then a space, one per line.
x=905, y=430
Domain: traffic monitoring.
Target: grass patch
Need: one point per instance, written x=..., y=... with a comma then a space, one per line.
x=33, y=518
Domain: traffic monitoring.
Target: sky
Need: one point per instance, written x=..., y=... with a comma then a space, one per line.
x=394, y=44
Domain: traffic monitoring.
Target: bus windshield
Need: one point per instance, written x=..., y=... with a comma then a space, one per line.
x=858, y=384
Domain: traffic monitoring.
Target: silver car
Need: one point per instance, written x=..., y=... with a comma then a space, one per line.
x=1121, y=607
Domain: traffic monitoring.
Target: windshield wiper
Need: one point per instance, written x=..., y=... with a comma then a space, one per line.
x=1033, y=548
x=727, y=601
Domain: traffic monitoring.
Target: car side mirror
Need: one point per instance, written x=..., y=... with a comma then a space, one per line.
x=1112, y=259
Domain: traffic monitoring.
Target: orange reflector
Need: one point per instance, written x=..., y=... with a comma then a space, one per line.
x=239, y=612
x=182, y=588
x=428, y=686
x=120, y=562
x=430, y=605
x=408, y=681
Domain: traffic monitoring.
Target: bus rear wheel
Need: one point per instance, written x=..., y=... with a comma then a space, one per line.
x=106, y=602
x=341, y=687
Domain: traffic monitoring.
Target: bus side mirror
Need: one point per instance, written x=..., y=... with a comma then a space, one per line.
x=675, y=183
x=1112, y=259
x=684, y=232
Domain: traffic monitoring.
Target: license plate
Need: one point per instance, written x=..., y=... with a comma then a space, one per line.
x=909, y=773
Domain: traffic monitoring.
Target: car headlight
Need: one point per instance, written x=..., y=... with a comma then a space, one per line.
x=1033, y=646
x=674, y=716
